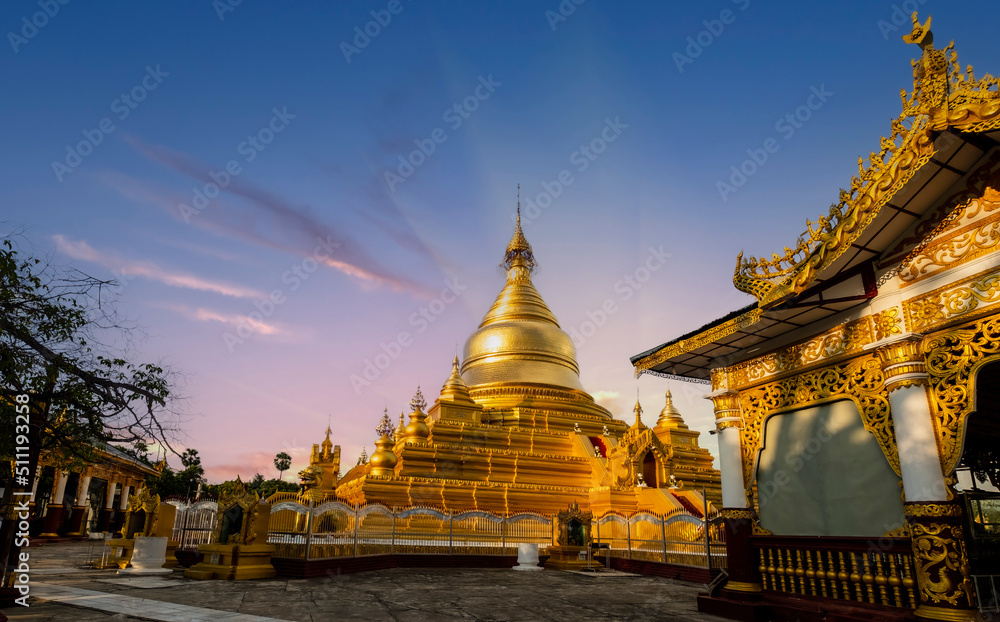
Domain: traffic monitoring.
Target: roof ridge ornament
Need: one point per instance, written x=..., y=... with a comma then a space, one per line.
x=944, y=97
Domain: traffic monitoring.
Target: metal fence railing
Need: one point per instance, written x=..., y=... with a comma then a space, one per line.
x=194, y=522
x=336, y=529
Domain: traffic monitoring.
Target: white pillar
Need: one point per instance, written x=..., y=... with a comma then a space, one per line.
x=124, y=504
x=109, y=503
x=34, y=486
x=57, y=498
x=728, y=421
x=82, y=490
x=906, y=381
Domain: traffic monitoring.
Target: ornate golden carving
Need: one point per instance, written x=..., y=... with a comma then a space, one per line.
x=900, y=359
x=932, y=509
x=938, y=307
x=944, y=96
x=886, y=323
x=959, y=247
x=942, y=570
x=953, y=358
x=844, y=340
x=859, y=380
x=739, y=514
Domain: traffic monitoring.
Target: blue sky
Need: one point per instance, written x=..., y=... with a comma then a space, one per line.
x=496, y=94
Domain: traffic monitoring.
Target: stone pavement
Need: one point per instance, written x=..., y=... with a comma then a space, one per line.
x=398, y=594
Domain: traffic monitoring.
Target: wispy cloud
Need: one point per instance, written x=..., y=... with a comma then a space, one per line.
x=129, y=268
x=298, y=224
x=235, y=320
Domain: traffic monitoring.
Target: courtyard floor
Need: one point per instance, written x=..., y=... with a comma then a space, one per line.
x=62, y=590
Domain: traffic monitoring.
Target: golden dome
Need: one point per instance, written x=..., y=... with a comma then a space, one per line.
x=670, y=417
x=519, y=340
x=383, y=460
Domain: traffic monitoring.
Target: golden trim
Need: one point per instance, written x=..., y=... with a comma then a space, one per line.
x=949, y=615
x=860, y=380
x=725, y=329
x=738, y=514
x=954, y=249
x=835, y=344
x=932, y=509
x=946, y=304
x=740, y=586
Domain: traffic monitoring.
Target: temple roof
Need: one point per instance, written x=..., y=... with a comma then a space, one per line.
x=949, y=123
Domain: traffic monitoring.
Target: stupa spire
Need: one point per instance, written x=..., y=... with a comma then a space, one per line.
x=670, y=416
x=638, y=425
x=518, y=247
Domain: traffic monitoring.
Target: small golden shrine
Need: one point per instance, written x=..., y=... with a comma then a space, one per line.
x=571, y=540
x=868, y=366
x=239, y=549
x=145, y=516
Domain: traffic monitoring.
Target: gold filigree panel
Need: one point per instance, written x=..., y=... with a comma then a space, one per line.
x=966, y=242
x=953, y=359
x=860, y=380
x=844, y=340
x=936, y=308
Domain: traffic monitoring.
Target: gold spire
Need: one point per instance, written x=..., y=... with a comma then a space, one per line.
x=454, y=388
x=518, y=248
x=670, y=416
x=327, y=445
x=638, y=416
x=519, y=339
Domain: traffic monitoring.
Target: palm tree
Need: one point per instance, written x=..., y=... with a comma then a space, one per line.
x=282, y=462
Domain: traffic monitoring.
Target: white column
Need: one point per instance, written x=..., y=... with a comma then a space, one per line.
x=57, y=498
x=81, y=492
x=906, y=381
x=728, y=421
x=124, y=504
x=34, y=485
x=110, y=501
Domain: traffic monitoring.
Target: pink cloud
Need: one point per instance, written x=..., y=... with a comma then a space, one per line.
x=129, y=268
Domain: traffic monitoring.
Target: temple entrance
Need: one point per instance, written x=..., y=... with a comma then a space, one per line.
x=649, y=470
x=981, y=458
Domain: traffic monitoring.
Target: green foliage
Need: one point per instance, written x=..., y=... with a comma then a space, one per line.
x=282, y=462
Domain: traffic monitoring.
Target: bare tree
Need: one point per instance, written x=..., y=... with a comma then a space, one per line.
x=61, y=352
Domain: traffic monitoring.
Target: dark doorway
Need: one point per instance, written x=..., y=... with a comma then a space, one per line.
x=981, y=456
x=649, y=470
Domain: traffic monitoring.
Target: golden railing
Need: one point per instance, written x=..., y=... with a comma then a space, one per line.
x=877, y=572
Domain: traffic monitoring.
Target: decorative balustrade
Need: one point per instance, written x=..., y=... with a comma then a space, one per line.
x=876, y=571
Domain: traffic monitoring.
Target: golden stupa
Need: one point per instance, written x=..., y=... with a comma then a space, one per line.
x=513, y=430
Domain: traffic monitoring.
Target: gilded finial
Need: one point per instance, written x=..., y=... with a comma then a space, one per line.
x=418, y=402
x=385, y=425
x=638, y=414
x=921, y=33
x=363, y=458
x=518, y=248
